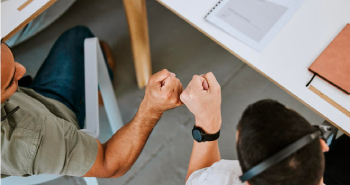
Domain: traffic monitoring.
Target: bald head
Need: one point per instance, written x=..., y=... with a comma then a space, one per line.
x=11, y=72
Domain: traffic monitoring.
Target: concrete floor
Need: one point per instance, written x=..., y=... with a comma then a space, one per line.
x=180, y=48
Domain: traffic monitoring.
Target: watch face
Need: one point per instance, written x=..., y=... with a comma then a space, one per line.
x=197, y=135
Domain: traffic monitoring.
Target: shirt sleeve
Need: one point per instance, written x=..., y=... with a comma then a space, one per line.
x=224, y=172
x=64, y=150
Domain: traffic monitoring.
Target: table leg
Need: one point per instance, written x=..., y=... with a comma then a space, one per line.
x=138, y=27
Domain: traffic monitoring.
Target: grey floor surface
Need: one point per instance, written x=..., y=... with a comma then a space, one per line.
x=180, y=48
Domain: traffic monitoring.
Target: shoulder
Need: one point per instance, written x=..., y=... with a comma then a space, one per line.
x=228, y=165
x=224, y=172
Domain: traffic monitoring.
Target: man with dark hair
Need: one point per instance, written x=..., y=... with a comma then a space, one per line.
x=265, y=128
x=40, y=125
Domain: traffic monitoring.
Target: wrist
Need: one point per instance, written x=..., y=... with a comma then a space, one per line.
x=147, y=111
x=209, y=127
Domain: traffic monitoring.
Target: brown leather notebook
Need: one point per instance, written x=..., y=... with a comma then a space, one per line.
x=333, y=65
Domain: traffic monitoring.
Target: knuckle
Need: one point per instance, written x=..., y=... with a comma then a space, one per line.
x=209, y=74
x=183, y=97
x=164, y=71
x=148, y=86
x=178, y=83
x=217, y=89
x=167, y=95
x=151, y=79
x=174, y=100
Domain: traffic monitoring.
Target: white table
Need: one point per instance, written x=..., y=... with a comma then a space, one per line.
x=287, y=57
x=15, y=14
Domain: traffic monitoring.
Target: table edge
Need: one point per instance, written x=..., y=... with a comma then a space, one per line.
x=256, y=69
x=24, y=23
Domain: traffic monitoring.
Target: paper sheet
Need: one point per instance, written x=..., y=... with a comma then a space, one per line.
x=254, y=22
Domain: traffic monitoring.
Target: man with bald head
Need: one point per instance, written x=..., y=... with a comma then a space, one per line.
x=40, y=124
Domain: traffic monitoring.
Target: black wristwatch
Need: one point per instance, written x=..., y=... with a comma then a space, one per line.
x=200, y=136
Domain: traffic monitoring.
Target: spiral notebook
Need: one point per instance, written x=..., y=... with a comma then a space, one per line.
x=253, y=22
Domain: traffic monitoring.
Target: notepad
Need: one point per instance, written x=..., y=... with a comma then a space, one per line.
x=253, y=22
x=333, y=64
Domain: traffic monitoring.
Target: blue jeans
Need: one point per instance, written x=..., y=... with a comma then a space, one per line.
x=61, y=76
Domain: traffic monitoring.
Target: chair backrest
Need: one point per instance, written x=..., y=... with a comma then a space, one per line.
x=92, y=56
x=37, y=179
x=96, y=74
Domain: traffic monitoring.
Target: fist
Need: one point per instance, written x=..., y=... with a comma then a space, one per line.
x=162, y=92
x=203, y=98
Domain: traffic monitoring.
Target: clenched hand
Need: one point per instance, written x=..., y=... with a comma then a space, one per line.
x=203, y=98
x=162, y=93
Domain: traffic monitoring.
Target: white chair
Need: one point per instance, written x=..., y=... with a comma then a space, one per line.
x=96, y=74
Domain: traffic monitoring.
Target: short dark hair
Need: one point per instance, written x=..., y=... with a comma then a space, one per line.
x=265, y=128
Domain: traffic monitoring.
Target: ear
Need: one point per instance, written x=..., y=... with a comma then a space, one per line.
x=324, y=145
x=247, y=183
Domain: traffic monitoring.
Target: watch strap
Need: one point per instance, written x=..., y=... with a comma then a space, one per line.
x=208, y=137
x=211, y=137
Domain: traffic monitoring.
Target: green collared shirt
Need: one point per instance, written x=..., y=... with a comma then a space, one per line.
x=43, y=137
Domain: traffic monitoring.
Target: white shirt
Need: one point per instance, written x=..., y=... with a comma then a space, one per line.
x=224, y=172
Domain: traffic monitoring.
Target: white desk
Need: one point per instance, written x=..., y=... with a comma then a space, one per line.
x=15, y=14
x=287, y=57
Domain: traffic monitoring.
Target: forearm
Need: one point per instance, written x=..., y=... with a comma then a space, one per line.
x=123, y=149
x=203, y=98
x=117, y=155
x=203, y=155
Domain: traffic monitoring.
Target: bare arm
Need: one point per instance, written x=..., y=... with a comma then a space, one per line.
x=119, y=153
x=203, y=155
x=203, y=98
